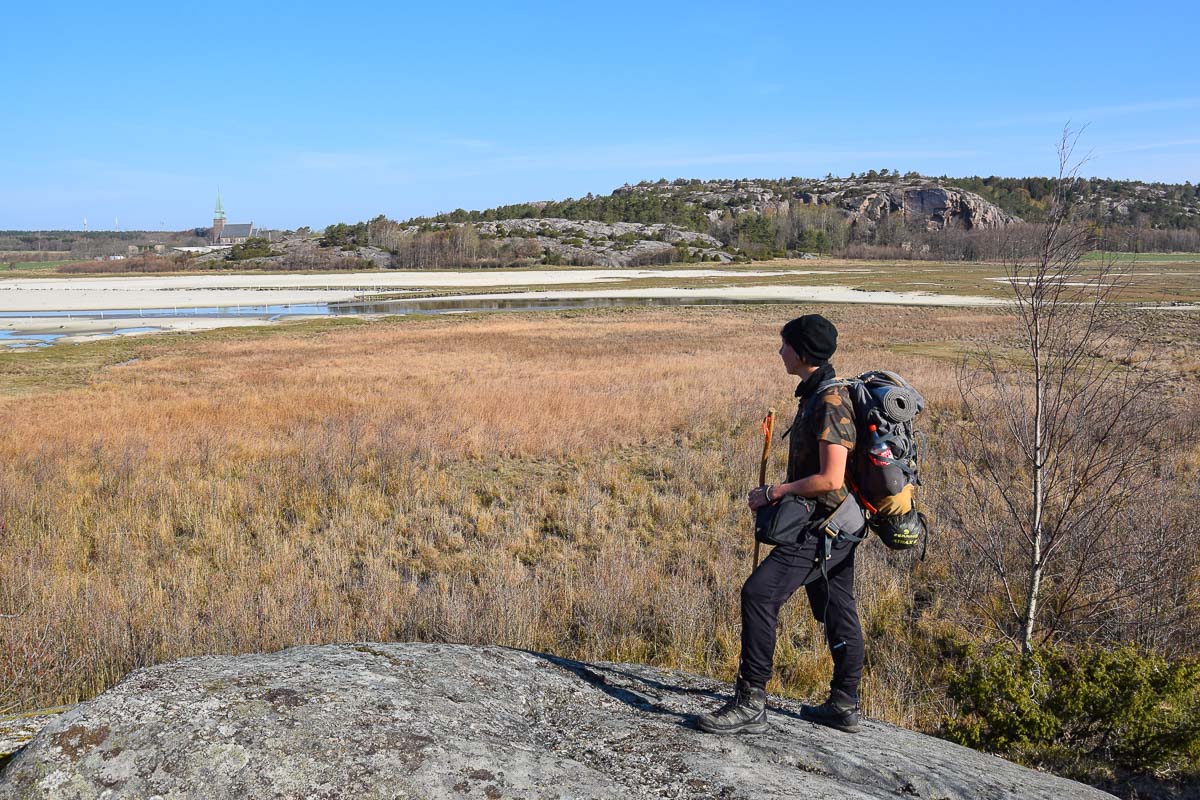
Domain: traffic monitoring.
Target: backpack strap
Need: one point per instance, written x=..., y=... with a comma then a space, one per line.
x=847, y=521
x=849, y=514
x=822, y=389
x=808, y=405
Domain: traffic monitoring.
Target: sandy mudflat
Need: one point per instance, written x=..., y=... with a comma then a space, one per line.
x=195, y=295
x=774, y=294
x=194, y=291
x=1171, y=307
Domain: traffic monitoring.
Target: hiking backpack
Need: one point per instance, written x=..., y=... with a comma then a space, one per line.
x=882, y=472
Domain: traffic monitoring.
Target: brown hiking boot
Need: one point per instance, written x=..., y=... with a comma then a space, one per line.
x=840, y=711
x=745, y=713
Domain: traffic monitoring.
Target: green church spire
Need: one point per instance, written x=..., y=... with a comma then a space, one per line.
x=219, y=213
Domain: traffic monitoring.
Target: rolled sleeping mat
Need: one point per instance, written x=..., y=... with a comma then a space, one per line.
x=898, y=403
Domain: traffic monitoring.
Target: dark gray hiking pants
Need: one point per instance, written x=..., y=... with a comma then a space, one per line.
x=781, y=573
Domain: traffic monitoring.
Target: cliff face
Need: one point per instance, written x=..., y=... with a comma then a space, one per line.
x=933, y=207
x=866, y=203
x=451, y=721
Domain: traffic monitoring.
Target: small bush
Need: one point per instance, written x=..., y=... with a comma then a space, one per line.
x=251, y=248
x=1134, y=710
x=683, y=254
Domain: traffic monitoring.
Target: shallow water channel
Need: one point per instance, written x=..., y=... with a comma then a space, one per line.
x=17, y=339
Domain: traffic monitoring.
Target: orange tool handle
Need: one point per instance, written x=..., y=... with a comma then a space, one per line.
x=768, y=427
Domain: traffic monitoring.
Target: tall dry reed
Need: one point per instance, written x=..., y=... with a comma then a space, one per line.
x=572, y=483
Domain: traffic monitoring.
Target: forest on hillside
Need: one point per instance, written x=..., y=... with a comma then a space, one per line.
x=1136, y=216
x=1148, y=205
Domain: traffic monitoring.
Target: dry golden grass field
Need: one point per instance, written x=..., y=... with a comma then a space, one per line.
x=568, y=482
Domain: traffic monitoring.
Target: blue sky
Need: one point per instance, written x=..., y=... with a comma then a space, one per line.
x=311, y=113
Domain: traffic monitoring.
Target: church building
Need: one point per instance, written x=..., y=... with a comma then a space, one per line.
x=231, y=233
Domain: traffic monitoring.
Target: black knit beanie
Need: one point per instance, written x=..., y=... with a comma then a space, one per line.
x=811, y=336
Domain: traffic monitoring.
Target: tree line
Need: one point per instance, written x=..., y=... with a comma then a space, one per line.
x=1152, y=204
x=1139, y=216
x=87, y=244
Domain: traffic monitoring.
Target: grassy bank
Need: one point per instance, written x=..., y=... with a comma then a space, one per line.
x=565, y=482
x=34, y=267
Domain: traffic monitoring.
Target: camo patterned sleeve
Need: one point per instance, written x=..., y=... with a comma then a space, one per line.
x=833, y=419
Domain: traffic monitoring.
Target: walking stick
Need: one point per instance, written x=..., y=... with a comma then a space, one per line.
x=768, y=426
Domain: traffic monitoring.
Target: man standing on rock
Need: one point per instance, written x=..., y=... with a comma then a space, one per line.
x=820, y=441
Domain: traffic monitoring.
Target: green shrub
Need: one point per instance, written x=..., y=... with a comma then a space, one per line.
x=346, y=236
x=683, y=254
x=251, y=248
x=1123, y=707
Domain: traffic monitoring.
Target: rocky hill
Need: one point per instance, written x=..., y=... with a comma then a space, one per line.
x=864, y=203
x=948, y=218
x=451, y=721
x=696, y=204
x=656, y=223
x=290, y=250
x=1135, y=203
x=588, y=242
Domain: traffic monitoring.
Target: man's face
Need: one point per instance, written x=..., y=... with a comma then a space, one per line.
x=791, y=359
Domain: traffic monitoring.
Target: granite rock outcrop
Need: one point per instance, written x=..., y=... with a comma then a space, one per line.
x=452, y=721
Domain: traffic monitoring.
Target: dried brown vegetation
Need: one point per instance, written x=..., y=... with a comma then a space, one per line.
x=570, y=482
x=142, y=262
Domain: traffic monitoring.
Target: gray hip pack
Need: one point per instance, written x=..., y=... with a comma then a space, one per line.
x=791, y=519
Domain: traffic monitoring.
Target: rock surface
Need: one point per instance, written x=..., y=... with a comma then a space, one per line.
x=296, y=251
x=17, y=729
x=934, y=207
x=451, y=721
x=865, y=203
x=606, y=244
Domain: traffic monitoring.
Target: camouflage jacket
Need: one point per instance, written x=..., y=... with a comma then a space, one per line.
x=831, y=420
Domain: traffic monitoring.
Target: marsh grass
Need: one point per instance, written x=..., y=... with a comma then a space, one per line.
x=569, y=482
x=12, y=266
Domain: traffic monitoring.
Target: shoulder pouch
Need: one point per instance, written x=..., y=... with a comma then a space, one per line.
x=786, y=521
x=847, y=522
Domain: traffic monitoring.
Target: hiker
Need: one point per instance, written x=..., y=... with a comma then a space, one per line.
x=819, y=444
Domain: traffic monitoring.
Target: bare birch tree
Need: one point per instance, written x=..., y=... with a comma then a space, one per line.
x=1059, y=436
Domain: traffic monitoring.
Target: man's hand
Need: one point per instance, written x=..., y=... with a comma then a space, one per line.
x=759, y=497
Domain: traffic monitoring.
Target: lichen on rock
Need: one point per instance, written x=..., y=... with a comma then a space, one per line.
x=453, y=721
